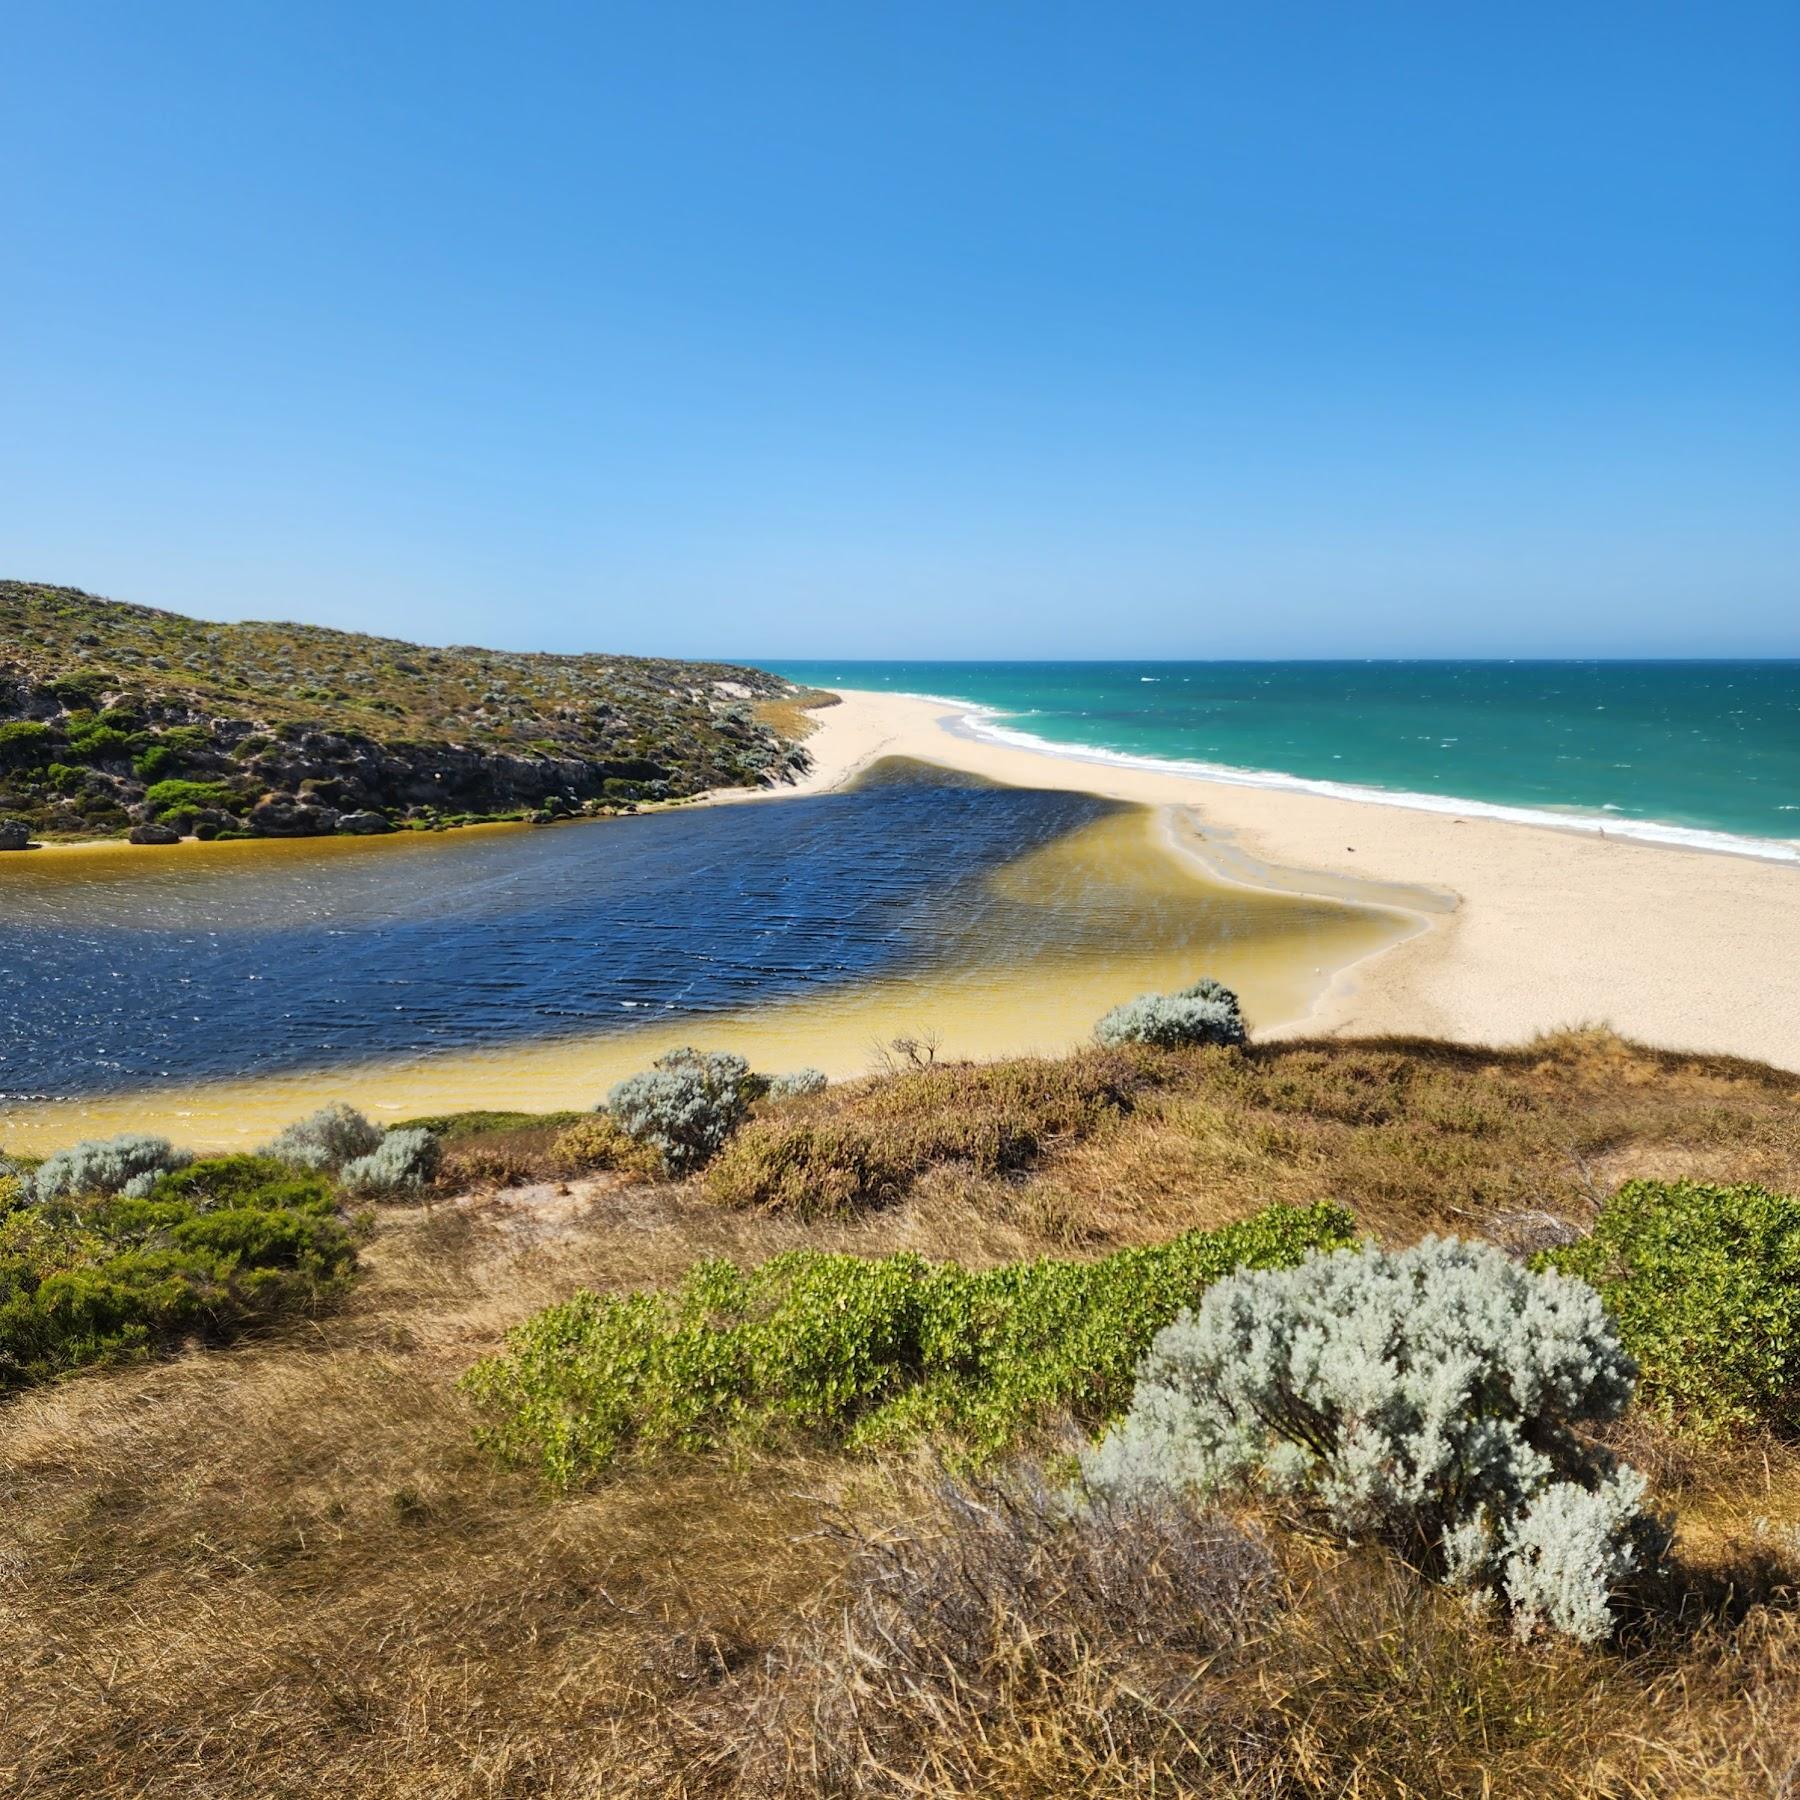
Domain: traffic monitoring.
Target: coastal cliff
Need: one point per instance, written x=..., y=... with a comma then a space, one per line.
x=118, y=719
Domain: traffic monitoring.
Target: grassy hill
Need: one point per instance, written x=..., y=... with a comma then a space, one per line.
x=114, y=716
x=286, y=1567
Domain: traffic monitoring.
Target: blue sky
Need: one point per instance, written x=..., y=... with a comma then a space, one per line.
x=928, y=330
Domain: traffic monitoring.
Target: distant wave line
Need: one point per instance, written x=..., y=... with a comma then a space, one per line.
x=984, y=722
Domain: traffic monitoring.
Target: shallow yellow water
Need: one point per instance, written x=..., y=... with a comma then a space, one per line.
x=1107, y=912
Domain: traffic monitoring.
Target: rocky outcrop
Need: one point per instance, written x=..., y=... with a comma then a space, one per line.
x=285, y=815
x=153, y=834
x=15, y=834
x=363, y=824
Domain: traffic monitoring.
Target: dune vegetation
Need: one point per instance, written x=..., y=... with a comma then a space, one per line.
x=564, y=1475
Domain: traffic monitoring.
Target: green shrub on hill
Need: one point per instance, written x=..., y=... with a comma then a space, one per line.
x=857, y=1351
x=25, y=743
x=177, y=795
x=1704, y=1284
x=211, y=1249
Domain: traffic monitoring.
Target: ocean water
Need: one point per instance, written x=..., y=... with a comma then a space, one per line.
x=1699, y=752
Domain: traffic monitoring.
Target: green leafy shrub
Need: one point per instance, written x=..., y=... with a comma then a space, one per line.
x=101, y=743
x=192, y=796
x=209, y=1250
x=686, y=1105
x=156, y=763
x=859, y=1351
x=25, y=744
x=1205, y=1013
x=1704, y=1284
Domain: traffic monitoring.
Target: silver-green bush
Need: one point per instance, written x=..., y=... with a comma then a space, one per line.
x=127, y=1164
x=796, y=1082
x=1205, y=1013
x=326, y=1140
x=1426, y=1397
x=405, y=1160
x=687, y=1105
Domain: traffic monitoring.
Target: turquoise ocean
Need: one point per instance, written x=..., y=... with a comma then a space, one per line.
x=1703, y=753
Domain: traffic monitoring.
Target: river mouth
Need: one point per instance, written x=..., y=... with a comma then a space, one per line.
x=215, y=992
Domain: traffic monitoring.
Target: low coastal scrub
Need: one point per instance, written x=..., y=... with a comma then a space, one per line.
x=686, y=1105
x=796, y=1083
x=115, y=716
x=326, y=1140
x=295, y=1576
x=128, y=1164
x=857, y=1351
x=1435, y=1399
x=1703, y=1282
x=870, y=1148
x=366, y=1161
x=1205, y=1013
x=91, y=1275
x=599, y=1142
x=406, y=1160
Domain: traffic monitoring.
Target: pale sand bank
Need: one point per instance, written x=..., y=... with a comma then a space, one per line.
x=1675, y=947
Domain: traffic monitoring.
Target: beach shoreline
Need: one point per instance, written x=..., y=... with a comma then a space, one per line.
x=1551, y=927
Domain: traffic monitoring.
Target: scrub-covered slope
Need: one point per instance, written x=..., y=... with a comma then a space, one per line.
x=114, y=716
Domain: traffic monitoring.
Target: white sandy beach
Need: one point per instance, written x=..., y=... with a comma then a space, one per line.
x=1675, y=947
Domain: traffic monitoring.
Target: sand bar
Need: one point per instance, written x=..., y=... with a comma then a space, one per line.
x=1673, y=946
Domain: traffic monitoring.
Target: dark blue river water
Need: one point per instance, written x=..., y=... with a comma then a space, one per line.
x=258, y=958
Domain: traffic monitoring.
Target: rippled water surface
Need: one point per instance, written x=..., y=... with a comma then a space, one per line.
x=508, y=966
x=258, y=961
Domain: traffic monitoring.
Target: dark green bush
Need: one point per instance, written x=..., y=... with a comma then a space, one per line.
x=213, y=1248
x=166, y=796
x=100, y=743
x=25, y=744
x=1704, y=1285
x=858, y=1351
x=156, y=762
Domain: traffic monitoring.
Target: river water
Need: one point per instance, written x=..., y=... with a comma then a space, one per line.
x=221, y=987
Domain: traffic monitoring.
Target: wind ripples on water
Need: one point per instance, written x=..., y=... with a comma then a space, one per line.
x=233, y=966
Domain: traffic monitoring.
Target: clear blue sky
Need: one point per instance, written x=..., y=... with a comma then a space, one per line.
x=928, y=329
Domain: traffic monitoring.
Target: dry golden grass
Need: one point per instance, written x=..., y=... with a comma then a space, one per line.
x=283, y=1570
x=791, y=716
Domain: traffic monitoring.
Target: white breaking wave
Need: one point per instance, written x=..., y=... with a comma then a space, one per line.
x=985, y=722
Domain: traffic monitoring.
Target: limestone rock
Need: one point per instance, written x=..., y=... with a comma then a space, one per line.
x=281, y=815
x=154, y=834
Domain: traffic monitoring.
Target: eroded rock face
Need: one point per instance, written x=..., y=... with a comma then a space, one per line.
x=283, y=815
x=15, y=834
x=363, y=824
x=154, y=834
